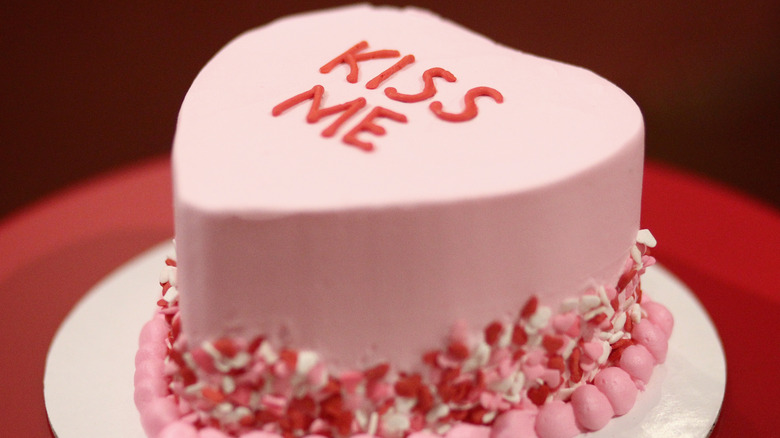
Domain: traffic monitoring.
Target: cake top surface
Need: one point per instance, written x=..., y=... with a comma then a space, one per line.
x=243, y=142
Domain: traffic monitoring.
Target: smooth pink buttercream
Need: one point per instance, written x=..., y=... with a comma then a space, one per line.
x=468, y=431
x=537, y=195
x=592, y=409
x=556, y=420
x=660, y=316
x=212, y=433
x=259, y=434
x=638, y=362
x=180, y=429
x=514, y=424
x=653, y=338
x=157, y=414
x=620, y=390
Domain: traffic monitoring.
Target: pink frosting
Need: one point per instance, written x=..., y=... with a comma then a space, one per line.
x=259, y=434
x=180, y=429
x=514, y=424
x=156, y=414
x=468, y=431
x=212, y=433
x=556, y=420
x=653, y=338
x=617, y=385
x=638, y=362
x=423, y=434
x=660, y=316
x=591, y=408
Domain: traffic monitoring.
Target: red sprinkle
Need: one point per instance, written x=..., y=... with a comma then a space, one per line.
x=552, y=343
x=519, y=336
x=408, y=386
x=458, y=350
x=556, y=363
x=377, y=372
x=212, y=394
x=289, y=357
x=574, y=365
x=226, y=347
x=530, y=307
x=598, y=319
x=538, y=395
x=493, y=332
x=629, y=325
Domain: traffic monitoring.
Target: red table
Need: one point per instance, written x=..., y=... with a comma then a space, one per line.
x=722, y=244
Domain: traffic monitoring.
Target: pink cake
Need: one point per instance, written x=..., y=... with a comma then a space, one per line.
x=388, y=225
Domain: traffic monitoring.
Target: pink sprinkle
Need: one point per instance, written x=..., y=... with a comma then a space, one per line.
x=593, y=349
x=350, y=380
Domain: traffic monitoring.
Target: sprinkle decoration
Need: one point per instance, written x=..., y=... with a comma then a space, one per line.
x=525, y=363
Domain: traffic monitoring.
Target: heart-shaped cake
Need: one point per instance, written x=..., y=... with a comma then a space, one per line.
x=388, y=224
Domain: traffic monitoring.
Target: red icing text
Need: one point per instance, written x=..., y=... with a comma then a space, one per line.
x=368, y=124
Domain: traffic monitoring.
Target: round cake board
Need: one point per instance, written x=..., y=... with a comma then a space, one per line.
x=88, y=382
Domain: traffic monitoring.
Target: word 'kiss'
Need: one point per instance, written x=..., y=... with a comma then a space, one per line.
x=348, y=109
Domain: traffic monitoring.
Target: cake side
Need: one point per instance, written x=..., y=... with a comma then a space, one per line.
x=325, y=244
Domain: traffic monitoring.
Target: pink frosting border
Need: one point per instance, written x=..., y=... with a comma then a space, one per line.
x=617, y=368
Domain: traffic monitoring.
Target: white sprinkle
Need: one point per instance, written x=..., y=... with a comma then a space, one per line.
x=241, y=412
x=605, y=351
x=171, y=295
x=240, y=360
x=588, y=302
x=565, y=393
x=616, y=337
x=605, y=336
x=569, y=304
x=166, y=273
x=603, y=296
x=488, y=417
x=307, y=359
x=540, y=318
x=506, y=336
x=395, y=423
x=209, y=348
x=478, y=359
x=636, y=313
x=404, y=404
x=646, y=238
x=637, y=256
x=223, y=408
x=438, y=411
x=194, y=389
x=228, y=384
x=373, y=424
x=568, y=348
x=620, y=321
x=361, y=419
x=267, y=353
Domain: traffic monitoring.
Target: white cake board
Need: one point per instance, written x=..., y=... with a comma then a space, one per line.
x=88, y=383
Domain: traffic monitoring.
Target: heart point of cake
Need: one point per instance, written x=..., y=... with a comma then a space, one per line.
x=399, y=228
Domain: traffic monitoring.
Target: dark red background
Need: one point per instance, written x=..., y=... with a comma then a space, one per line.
x=91, y=86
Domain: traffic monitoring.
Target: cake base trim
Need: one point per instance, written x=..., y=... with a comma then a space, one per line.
x=567, y=372
x=684, y=394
